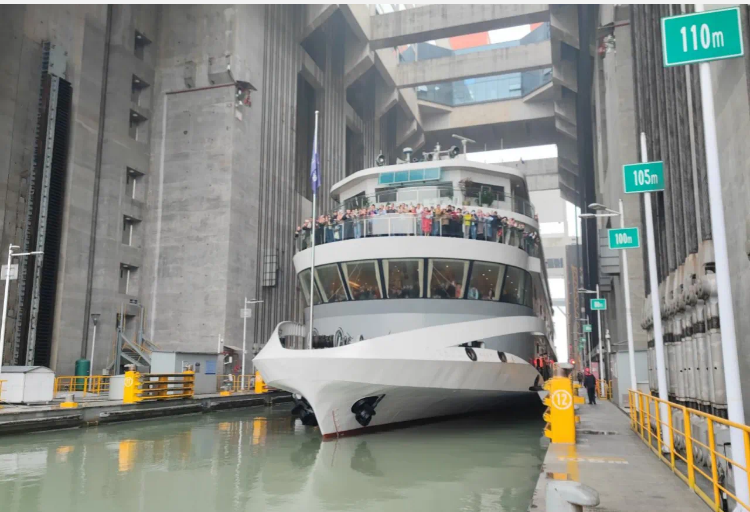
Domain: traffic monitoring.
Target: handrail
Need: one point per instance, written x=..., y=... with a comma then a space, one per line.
x=88, y=384
x=606, y=392
x=692, y=453
x=233, y=383
x=409, y=224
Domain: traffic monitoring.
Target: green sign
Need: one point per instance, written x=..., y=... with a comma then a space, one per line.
x=598, y=304
x=583, y=340
x=701, y=37
x=586, y=327
x=624, y=238
x=643, y=177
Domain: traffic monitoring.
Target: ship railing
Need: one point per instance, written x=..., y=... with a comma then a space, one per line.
x=409, y=224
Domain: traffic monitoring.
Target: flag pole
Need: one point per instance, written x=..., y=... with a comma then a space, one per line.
x=315, y=177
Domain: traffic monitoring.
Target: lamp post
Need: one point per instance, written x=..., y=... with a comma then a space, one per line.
x=599, y=322
x=588, y=341
x=245, y=313
x=11, y=255
x=606, y=212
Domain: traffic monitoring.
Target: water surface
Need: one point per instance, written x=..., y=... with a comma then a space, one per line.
x=262, y=460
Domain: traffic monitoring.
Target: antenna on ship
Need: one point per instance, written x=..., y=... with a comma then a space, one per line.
x=464, y=142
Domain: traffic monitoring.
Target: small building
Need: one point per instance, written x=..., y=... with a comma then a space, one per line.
x=206, y=365
x=27, y=384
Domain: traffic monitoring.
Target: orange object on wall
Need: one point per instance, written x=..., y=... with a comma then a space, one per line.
x=470, y=40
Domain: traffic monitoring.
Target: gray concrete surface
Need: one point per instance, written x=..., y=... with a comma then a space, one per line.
x=612, y=459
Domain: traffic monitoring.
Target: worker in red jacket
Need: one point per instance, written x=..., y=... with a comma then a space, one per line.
x=589, y=382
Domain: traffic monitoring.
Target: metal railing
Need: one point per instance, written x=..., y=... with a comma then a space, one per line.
x=605, y=391
x=1, y=392
x=158, y=386
x=698, y=448
x=233, y=383
x=92, y=385
x=409, y=224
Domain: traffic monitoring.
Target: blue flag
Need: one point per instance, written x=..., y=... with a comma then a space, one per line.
x=315, y=165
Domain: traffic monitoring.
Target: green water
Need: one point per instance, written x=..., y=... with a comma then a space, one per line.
x=261, y=460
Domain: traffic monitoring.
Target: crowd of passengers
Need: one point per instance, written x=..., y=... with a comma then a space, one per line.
x=431, y=221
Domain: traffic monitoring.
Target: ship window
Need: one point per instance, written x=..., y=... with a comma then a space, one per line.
x=304, y=281
x=329, y=283
x=403, y=278
x=514, y=288
x=486, y=281
x=529, y=298
x=363, y=279
x=447, y=278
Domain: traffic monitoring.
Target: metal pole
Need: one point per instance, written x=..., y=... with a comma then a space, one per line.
x=588, y=344
x=244, y=343
x=735, y=408
x=312, y=255
x=603, y=371
x=5, y=307
x=628, y=310
x=93, y=346
x=661, y=372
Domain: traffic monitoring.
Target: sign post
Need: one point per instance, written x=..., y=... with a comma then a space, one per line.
x=702, y=37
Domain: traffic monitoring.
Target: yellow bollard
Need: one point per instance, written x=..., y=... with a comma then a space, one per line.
x=132, y=383
x=260, y=385
x=561, y=416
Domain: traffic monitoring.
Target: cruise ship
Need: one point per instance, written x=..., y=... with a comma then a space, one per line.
x=430, y=298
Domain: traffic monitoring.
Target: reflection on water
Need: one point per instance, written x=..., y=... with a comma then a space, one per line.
x=255, y=460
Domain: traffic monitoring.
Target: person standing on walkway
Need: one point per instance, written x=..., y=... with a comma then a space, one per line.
x=589, y=382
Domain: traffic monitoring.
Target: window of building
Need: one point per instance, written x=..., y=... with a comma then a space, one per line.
x=141, y=45
x=403, y=278
x=447, y=278
x=127, y=279
x=129, y=230
x=137, y=94
x=330, y=284
x=138, y=125
x=133, y=185
x=363, y=279
x=514, y=287
x=304, y=282
x=486, y=281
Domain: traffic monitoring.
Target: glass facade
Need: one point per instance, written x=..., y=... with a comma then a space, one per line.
x=403, y=278
x=363, y=279
x=447, y=278
x=486, y=281
x=330, y=285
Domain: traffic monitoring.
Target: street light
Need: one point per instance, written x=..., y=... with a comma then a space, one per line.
x=598, y=321
x=5, y=298
x=245, y=313
x=588, y=338
x=95, y=320
x=607, y=212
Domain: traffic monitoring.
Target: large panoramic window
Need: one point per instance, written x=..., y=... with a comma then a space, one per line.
x=514, y=288
x=403, y=278
x=330, y=284
x=304, y=282
x=447, y=278
x=363, y=279
x=486, y=281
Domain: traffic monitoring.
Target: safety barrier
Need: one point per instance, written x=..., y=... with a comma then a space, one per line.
x=93, y=385
x=260, y=384
x=698, y=448
x=233, y=383
x=605, y=391
x=158, y=386
x=560, y=414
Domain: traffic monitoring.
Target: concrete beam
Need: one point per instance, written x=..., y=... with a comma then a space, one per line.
x=440, y=21
x=310, y=71
x=488, y=113
x=315, y=16
x=353, y=121
x=564, y=24
x=358, y=18
x=565, y=108
x=405, y=129
x=385, y=98
x=358, y=59
x=430, y=107
x=564, y=74
x=407, y=98
x=475, y=65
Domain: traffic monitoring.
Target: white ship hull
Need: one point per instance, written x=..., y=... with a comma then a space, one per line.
x=411, y=375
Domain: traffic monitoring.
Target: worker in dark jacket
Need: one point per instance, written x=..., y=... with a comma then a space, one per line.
x=589, y=382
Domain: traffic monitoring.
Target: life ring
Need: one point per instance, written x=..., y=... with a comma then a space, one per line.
x=472, y=355
x=502, y=356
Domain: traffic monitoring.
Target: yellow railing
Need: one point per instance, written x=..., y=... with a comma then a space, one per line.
x=1, y=393
x=233, y=383
x=691, y=450
x=605, y=391
x=158, y=386
x=93, y=385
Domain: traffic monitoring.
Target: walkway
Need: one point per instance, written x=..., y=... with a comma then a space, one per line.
x=612, y=459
